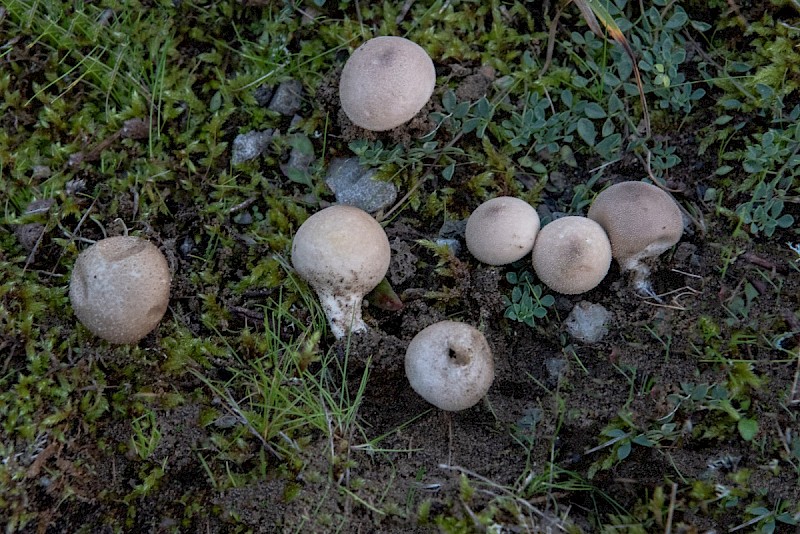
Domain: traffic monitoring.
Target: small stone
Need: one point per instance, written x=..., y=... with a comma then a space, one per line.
x=356, y=186
x=41, y=171
x=556, y=367
x=453, y=244
x=75, y=186
x=287, y=98
x=588, y=322
x=42, y=205
x=250, y=145
x=135, y=129
x=28, y=234
x=243, y=218
x=263, y=94
x=453, y=228
x=297, y=167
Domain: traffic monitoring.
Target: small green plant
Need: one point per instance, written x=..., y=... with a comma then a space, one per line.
x=528, y=301
x=462, y=117
x=146, y=434
x=764, y=211
x=765, y=521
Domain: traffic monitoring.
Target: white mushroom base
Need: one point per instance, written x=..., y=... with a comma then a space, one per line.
x=343, y=313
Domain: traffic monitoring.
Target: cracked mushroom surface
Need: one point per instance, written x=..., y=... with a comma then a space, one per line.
x=571, y=255
x=343, y=253
x=641, y=221
x=450, y=365
x=119, y=288
x=501, y=230
x=386, y=82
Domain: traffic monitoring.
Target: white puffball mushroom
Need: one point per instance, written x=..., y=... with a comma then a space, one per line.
x=642, y=221
x=386, y=82
x=571, y=255
x=119, y=288
x=450, y=365
x=501, y=230
x=343, y=253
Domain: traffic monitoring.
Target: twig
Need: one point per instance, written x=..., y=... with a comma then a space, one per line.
x=677, y=294
x=251, y=314
x=404, y=11
x=242, y=205
x=551, y=40
x=498, y=487
x=234, y=409
x=671, y=513
x=794, y=399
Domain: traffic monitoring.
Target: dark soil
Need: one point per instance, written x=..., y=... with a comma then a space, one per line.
x=551, y=399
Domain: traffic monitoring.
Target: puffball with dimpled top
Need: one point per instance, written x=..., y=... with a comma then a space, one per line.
x=450, y=365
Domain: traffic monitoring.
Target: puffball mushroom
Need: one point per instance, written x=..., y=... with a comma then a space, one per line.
x=119, y=288
x=501, y=230
x=450, y=365
x=343, y=253
x=571, y=255
x=386, y=82
x=641, y=221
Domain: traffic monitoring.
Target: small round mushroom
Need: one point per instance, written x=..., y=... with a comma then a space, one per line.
x=501, y=230
x=641, y=220
x=386, y=82
x=571, y=255
x=119, y=288
x=450, y=365
x=343, y=253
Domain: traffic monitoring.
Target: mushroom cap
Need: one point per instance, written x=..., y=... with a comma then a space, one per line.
x=450, y=365
x=641, y=220
x=571, y=255
x=501, y=230
x=119, y=288
x=386, y=82
x=341, y=250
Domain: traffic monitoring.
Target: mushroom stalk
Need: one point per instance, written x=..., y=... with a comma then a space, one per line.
x=343, y=253
x=343, y=312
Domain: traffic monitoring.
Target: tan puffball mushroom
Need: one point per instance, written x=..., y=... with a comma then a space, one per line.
x=450, y=365
x=501, y=230
x=571, y=255
x=119, y=288
x=343, y=253
x=641, y=221
x=386, y=82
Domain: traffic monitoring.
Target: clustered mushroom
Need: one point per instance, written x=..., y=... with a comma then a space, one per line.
x=119, y=288
x=501, y=230
x=343, y=253
x=571, y=255
x=386, y=82
x=642, y=221
x=629, y=221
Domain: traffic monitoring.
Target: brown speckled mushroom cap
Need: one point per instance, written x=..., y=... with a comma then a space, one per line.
x=641, y=221
x=343, y=253
x=571, y=255
x=501, y=230
x=450, y=365
x=386, y=82
x=119, y=288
